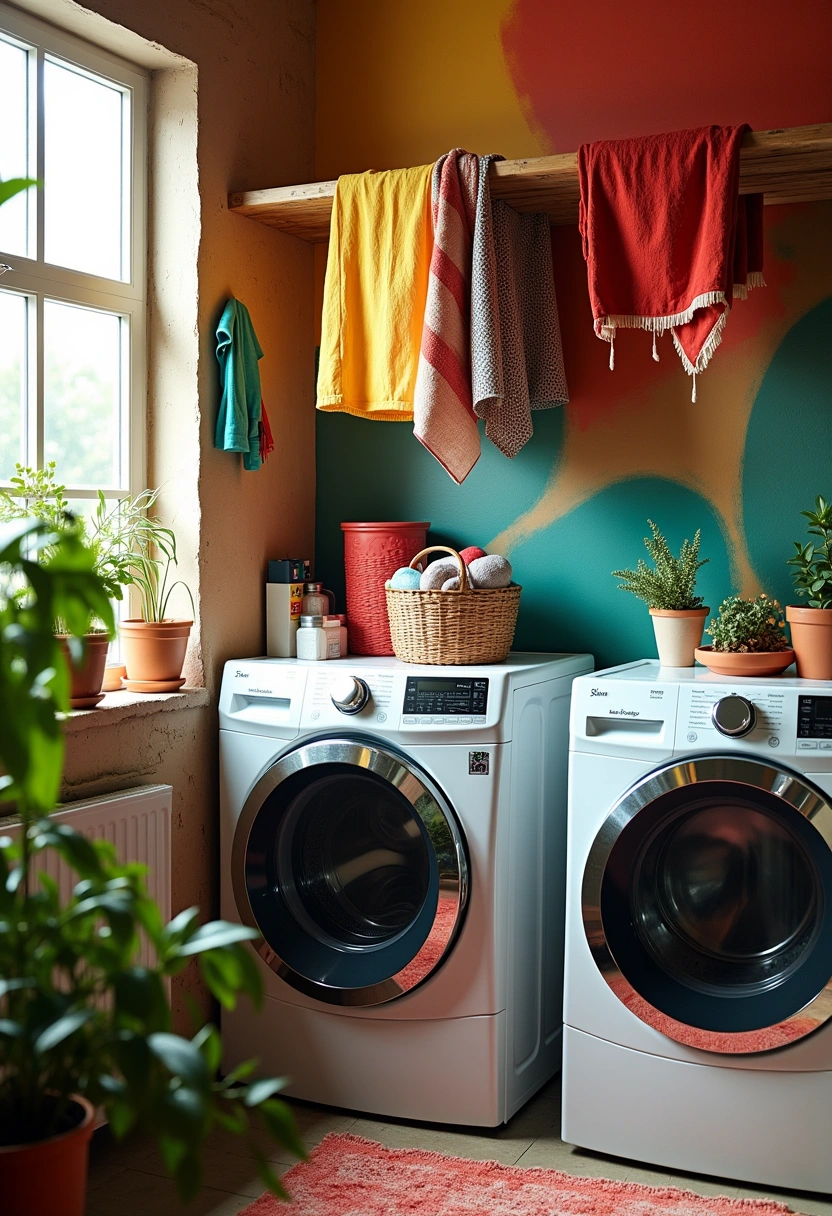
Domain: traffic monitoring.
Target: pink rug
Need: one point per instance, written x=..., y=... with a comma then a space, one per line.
x=349, y=1176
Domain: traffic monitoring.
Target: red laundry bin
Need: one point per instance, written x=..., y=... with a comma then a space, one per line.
x=373, y=552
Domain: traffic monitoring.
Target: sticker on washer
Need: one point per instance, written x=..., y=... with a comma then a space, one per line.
x=478, y=764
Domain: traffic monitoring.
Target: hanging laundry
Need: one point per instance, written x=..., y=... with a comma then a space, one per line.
x=380, y=246
x=238, y=353
x=516, y=352
x=266, y=440
x=668, y=240
x=444, y=420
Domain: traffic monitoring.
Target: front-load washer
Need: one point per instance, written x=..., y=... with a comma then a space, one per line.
x=699, y=923
x=396, y=834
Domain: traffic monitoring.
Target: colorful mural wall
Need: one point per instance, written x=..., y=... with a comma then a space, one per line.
x=538, y=76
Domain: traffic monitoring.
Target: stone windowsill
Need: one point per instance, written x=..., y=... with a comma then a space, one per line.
x=117, y=706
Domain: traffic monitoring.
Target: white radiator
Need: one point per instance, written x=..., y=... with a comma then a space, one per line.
x=137, y=823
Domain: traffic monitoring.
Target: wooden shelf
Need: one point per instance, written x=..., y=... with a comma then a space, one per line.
x=788, y=166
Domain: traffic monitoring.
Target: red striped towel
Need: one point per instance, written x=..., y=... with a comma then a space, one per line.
x=668, y=241
x=443, y=415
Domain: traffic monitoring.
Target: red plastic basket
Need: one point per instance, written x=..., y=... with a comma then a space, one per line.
x=373, y=552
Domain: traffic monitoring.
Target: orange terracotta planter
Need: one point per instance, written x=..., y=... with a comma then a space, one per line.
x=154, y=651
x=811, y=630
x=678, y=633
x=88, y=676
x=49, y=1176
x=755, y=663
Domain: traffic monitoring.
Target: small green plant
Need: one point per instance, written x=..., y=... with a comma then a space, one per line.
x=813, y=561
x=748, y=626
x=670, y=584
x=15, y=185
x=36, y=492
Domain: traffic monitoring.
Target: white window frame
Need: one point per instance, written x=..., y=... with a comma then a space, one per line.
x=35, y=278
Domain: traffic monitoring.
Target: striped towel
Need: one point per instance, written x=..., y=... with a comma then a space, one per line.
x=443, y=415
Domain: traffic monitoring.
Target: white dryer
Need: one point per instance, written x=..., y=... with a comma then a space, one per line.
x=699, y=923
x=396, y=834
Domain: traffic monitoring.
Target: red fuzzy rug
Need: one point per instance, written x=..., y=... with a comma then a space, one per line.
x=349, y=1176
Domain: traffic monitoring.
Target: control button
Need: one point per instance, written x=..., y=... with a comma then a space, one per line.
x=479, y=721
x=807, y=745
x=382, y=717
x=465, y=721
x=409, y=721
x=826, y=745
x=774, y=741
x=733, y=716
x=426, y=721
x=692, y=736
x=316, y=713
x=349, y=694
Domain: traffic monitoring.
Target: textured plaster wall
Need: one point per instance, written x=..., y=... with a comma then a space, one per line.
x=232, y=105
x=527, y=77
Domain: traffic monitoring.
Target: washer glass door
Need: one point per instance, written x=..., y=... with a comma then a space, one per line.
x=707, y=903
x=352, y=867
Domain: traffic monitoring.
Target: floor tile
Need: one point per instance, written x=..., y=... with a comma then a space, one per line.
x=135, y=1193
x=479, y=1146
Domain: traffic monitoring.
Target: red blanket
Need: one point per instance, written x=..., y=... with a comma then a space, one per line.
x=668, y=240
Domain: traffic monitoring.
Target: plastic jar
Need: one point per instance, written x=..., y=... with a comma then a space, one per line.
x=317, y=601
x=341, y=618
x=317, y=639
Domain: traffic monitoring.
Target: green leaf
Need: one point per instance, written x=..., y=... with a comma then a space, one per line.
x=281, y=1123
x=181, y=1058
x=217, y=933
x=267, y=1173
x=15, y=185
x=61, y=1029
x=260, y=1091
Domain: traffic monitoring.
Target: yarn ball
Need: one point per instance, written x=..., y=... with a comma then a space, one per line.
x=471, y=554
x=438, y=572
x=405, y=579
x=490, y=571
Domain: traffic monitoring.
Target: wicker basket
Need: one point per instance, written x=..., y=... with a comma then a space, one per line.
x=453, y=627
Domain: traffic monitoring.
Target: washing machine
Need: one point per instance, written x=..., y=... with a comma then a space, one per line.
x=396, y=834
x=699, y=923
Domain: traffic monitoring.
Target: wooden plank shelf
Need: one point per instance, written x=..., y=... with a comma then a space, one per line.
x=788, y=165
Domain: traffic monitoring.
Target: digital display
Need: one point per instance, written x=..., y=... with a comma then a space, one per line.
x=814, y=718
x=439, y=695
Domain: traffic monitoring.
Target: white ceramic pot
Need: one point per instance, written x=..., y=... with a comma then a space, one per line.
x=678, y=634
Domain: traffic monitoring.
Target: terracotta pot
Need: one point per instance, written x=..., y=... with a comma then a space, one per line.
x=812, y=641
x=48, y=1177
x=154, y=651
x=757, y=663
x=678, y=634
x=88, y=676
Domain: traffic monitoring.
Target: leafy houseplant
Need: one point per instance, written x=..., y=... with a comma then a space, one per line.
x=36, y=492
x=748, y=638
x=668, y=588
x=82, y=1021
x=811, y=626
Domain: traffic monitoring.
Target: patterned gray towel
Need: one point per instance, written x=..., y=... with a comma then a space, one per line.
x=516, y=353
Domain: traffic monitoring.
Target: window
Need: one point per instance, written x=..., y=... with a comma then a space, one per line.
x=73, y=291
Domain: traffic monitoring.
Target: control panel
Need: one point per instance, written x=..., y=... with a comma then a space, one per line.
x=814, y=723
x=432, y=700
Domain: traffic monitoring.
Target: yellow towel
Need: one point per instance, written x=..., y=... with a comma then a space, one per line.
x=380, y=245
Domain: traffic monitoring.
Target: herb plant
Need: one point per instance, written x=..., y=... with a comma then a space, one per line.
x=748, y=626
x=670, y=584
x=813, y=561
x=79, y=1012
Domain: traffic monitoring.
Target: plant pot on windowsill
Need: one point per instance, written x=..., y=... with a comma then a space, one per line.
x=88, y=674
x=811, y=630
x=154, y=652
x=44, y=1177
x=678, y=634
x=753, y=663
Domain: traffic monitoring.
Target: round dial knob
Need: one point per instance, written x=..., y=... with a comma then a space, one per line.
x=734, y=716
x=349, y=694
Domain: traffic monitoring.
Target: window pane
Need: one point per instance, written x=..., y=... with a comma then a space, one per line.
x=82, y=394
x=12, y=381
x=13, y=144
x=83, y=221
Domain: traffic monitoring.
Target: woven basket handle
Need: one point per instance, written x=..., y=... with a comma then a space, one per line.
x=463, y=574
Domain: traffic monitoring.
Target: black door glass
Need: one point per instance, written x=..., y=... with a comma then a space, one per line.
x=715, y=906
x=351, y=859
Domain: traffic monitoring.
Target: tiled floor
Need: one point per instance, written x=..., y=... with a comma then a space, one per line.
x=131, y=1181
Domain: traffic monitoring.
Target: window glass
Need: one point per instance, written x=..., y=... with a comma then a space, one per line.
x=12, y=380
x=14, y=139
x=83, y=172
x=82, y=394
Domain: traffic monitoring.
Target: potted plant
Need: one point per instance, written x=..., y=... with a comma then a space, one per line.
x=668, y=590
x=811, y=626
x=748, y=639
x=83, y=1023
x=36, y=492
x=134, y=548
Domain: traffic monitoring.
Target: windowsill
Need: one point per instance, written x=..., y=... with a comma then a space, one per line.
x=118, y=706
